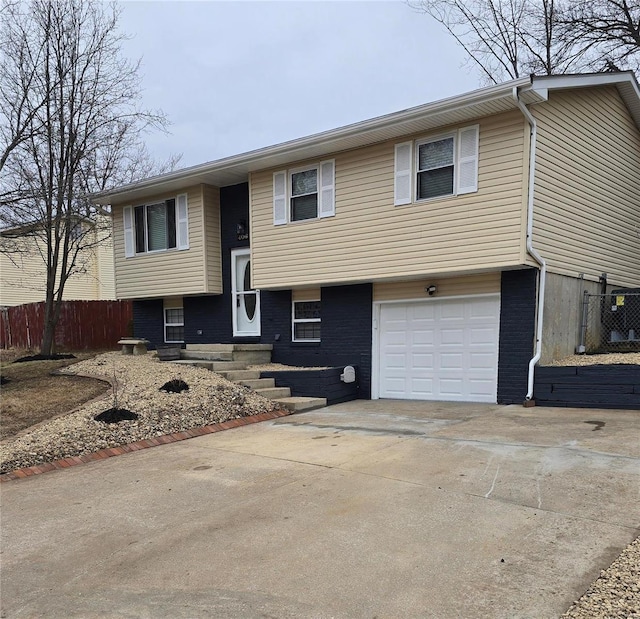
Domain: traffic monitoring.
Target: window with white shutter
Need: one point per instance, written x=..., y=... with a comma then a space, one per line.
x=279, y=198
x=468, y=159
x=183, y=221
x=304, y=193
x=129, y=249
x=402, y=186
x=327, y=189
x=444, y=165
x=156, y=227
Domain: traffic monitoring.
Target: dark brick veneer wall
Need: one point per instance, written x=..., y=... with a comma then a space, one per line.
x=148, y=321
x=316, y=383
x=591, y=386
x=517, y=333
x=346, y=331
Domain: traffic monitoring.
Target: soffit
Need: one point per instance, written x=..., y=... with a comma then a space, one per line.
x=424, y=118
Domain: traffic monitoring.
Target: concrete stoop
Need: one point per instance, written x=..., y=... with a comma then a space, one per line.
x=243, y=353
x=231, y=360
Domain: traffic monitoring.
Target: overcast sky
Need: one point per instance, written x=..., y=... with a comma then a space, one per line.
x=234, y=76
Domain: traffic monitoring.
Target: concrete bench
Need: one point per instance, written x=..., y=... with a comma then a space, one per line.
x=132, y=346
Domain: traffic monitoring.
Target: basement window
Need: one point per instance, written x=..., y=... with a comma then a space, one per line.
x=174, y=325
x=306, y=321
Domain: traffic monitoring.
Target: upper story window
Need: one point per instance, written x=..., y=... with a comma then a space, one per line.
x=156, y=227
x=445, y=165
x=434, y=168
x=304, y=193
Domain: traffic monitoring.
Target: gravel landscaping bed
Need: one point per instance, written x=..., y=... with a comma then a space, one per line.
x=277, y=367
x=628, y=358
x=616, y=593
x=209, y=399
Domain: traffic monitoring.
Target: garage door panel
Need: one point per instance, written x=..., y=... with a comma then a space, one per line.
x=481, y=310
x=450, y=387
x=397, y=362
x=439, y=349
x=449, y=337
x=452, y=361
x=422, y=312
x=422, y=387
x=479, y=336
x=450, y=312
x=423, y=336
x=395, y=387
x=422, y=361
x=395, y=337
x=481, y=389
x=481, y=361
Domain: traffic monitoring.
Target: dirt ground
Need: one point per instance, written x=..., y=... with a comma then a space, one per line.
x=32, y=394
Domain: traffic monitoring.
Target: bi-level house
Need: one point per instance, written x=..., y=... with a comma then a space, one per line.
x=442, y=250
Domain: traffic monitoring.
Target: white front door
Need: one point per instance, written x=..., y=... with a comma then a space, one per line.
x=245, y=299
x=439, y=349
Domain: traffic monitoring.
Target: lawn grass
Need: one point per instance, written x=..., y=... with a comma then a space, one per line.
x=32, y=394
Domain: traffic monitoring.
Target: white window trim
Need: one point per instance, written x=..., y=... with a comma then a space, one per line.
x=290, y=196
x=322, y=186
x=416, y=158
x=172, y=324
x=181, y=224
x=415, y=144
x=146, y=229
x=295, y=321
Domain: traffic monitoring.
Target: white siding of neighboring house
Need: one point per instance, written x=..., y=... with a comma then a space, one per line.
x=23, y=276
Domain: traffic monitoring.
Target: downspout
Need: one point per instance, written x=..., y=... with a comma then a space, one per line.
x=530, y=248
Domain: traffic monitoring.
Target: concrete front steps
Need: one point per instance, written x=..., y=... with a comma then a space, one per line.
x=243, y=353
x=231, y=361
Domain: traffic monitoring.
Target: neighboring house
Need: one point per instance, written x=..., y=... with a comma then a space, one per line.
x=416, y=246
x=23, y=270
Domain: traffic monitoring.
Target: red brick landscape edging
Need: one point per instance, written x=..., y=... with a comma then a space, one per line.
x=143, y=444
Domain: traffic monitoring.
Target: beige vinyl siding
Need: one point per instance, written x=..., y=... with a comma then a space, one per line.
x=23, y=279
x=211, y=230
x=167, y=273
x=482, y=283
x=371, y=239
x=306, y=294
x=587, y=192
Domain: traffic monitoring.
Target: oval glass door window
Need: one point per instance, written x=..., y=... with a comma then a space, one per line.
x=249, y=299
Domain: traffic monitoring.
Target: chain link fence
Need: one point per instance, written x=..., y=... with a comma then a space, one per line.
x=610, y=322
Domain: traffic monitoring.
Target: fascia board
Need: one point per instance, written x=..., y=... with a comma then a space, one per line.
x=256, y=159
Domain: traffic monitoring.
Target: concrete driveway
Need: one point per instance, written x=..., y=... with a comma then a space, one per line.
x=366, y=509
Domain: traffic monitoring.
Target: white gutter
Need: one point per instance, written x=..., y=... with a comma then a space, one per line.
x=331, y=138
x=532, y=251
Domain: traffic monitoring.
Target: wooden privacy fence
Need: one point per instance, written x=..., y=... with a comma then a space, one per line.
x=83, y=325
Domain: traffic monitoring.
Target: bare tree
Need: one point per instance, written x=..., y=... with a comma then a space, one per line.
x=70, y=124
x=507, y=39
x=610, y=29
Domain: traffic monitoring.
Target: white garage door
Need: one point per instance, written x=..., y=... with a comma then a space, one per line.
x=439, y=349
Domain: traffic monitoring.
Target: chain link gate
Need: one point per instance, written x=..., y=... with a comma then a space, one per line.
x=610, y=322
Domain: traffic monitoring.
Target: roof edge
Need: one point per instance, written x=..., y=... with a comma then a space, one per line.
x=537, y=86
x=442, y=105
